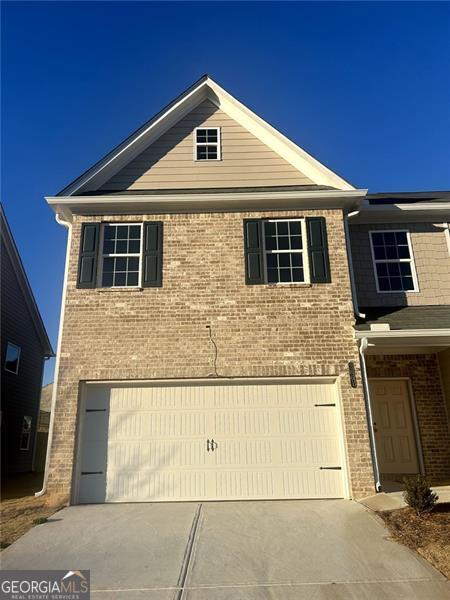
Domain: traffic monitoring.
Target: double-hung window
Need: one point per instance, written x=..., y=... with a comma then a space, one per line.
x=121, y=255
x=25, y=435
x=286, y=260
x=393, y=261
x=207, y=143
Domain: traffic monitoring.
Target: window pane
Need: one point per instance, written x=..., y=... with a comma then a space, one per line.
x=201, y=135
x=396, y=283
x=391, y=252
x=120, y=279
x=405, y=269
x=271, y=243
x=403, y=252
x=283, y=243
x=109, y=232
x=285, y=275
x=107, y=279
x=383, y=284
x=284, y=260
x=108, y=247
x=389, y=238
x=132, y=278
x=121, y=264
x=133, y=264
x=408, y=283
x=121, y=247
x=297, y=275
x=382, y=269
x=211, y=135
x=282, y=228
x=122, y=232
x=297, y=260
x=393, y=269
x=270, y=228
x=272, y=261
x=272, y=275
x=12, y=358
x=401, y=238
x=296, y=243
x=211, y=152
x=201, y=152
x=135, y=232
x=108, y=265
x=379, y=253
x=295, y=228
x=377, y=239
x=134, y=246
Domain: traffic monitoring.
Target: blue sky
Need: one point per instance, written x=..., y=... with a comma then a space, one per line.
x=364, y=87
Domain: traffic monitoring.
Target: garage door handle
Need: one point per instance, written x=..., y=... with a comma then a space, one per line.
x=330, y=468
x=213, y=445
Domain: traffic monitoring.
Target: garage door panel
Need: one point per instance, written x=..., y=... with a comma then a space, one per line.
x=151, y=442
x=156, y=454
x=141, y=486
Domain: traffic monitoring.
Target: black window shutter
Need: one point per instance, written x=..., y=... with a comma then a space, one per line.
x=253, y=246
x=319, y=262
x=87, y=265
x=152, y=257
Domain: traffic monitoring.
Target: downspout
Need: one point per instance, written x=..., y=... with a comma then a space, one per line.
x=373, y=450
x=350, y=264
x=61, y=221
x=362, y=348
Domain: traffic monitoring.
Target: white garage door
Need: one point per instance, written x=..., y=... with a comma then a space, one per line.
x=209, y=442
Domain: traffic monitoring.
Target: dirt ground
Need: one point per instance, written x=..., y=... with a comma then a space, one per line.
x=428, y=535
x=17, y=516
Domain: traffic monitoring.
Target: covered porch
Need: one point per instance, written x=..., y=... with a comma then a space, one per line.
x=406, y=356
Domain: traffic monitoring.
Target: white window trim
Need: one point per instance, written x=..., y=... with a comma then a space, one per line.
x=18, y=358
x=217, y=144
x=304, y=252
x=395, y=260
x=23, y=432
x=103, y=256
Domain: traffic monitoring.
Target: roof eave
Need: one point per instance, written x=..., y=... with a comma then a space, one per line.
x=213, y=202
x=395, y=213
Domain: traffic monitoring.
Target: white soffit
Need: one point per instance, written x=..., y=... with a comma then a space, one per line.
x=206, y=88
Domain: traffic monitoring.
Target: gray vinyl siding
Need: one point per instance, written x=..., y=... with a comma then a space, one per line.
x=169, y=162
x=21, y=392
x=431, y=257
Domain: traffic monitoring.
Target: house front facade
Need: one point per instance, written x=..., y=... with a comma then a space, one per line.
x=207, y=347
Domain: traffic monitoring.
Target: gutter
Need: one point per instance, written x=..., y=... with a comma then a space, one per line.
x=68, y=225
x=401, y=333
x=373, y=449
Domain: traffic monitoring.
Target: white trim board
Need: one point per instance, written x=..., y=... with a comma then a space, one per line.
x=204, y=89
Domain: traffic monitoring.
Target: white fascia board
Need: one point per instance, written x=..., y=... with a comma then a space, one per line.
x=394, y=213
x=206, y=202
x=279, y=143
x=107, y=167
x=402, y=333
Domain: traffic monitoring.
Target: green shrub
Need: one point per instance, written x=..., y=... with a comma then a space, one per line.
x=40, y=521
x=418, y=494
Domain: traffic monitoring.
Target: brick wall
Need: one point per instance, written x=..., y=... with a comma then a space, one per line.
x=431, y=257
x=430, y=406
x=260, y=330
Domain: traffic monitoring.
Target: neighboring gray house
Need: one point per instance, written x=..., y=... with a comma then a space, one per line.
x=24, y=347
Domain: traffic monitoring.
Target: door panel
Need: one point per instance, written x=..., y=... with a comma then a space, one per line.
x=393, y=426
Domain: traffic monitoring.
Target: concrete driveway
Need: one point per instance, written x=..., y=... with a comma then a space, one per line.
x=286, y=550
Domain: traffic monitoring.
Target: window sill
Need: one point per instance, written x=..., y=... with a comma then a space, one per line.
x=288, y=284
x=120, y=289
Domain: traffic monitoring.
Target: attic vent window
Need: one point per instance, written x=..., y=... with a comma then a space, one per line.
x=207, y=143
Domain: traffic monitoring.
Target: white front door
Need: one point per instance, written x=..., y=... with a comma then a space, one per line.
x=211, y=441
x=393, y=426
